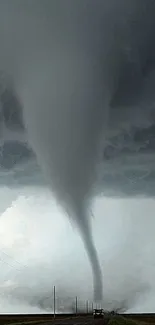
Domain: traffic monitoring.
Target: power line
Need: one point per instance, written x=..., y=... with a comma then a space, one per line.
x=8, y=264
x=13, y=259
x=12, y=266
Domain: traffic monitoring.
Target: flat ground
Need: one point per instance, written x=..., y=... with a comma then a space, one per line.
x=48, y=319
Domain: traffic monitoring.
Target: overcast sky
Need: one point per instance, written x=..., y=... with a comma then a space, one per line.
x=39, y=247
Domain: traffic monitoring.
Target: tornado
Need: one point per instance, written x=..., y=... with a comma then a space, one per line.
x=81, y=69
x=67, y=150
x=52, y=53
x=86, y=235
x=62, y=95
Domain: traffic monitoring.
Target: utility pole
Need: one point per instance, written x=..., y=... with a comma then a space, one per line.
x=76, y=305
x=87, y=307
x=54, y=301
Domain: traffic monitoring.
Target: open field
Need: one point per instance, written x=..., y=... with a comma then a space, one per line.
x=80, y=319
x=147, y=318
x=20, y=318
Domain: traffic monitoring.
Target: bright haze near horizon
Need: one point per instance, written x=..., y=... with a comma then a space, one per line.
x=39, y=247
